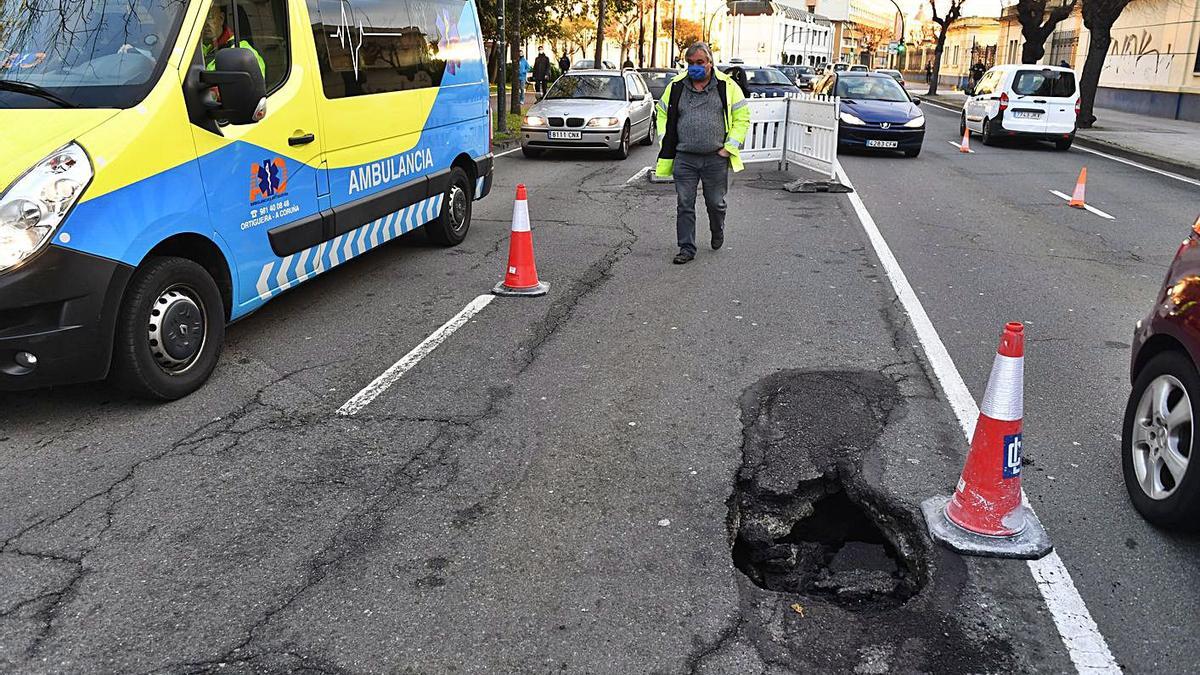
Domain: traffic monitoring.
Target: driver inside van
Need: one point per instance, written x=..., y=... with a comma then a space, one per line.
x=218, y=35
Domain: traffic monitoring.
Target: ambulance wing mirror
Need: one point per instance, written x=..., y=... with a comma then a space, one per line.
x=238, y=80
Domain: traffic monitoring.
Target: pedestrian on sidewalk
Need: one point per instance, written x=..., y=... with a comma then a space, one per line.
x=703, y=119
x=928, y=72
x=541, y=72
x=628, y=64
x=523, y=75
x=564, y=64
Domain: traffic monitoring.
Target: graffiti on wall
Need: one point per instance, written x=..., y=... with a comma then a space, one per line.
x=1134, y=58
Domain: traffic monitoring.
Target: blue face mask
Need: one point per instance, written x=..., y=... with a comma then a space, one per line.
x=696, y=72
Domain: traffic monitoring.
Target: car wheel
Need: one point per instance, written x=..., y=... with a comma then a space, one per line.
x=170, y=330
x=652, y=131
x=986, y=133
x=622, y=150
x=1157, y=442
x=1064, y=144
x=912, y=152
x=451, y=225
x=531, y=153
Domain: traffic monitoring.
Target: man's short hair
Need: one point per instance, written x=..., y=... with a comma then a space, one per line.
x=699, y=47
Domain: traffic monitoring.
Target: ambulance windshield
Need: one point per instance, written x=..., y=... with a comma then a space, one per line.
x=83, y=53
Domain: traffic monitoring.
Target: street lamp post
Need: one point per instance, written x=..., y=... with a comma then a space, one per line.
x=901, y=13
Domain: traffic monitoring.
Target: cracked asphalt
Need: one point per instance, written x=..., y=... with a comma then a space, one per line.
x=549, y=489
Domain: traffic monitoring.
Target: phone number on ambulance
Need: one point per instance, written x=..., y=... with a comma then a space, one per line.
x=268, y=213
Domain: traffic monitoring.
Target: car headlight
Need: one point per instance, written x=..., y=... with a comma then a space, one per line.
x=915, y=122
x=35, y=205
x=850, y=119
x=535, y=121
x=603, y=122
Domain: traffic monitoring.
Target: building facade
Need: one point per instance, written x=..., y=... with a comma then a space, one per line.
x=782, y=31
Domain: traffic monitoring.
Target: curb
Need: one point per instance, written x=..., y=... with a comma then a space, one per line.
x=1106, y=146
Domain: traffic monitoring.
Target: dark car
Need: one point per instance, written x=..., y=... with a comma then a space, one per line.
x=1162, y=413
x=761, y=82
x=657, y=79
x=801, y=76
x=876, y=113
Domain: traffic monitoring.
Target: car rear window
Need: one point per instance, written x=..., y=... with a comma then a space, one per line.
x=1036, y=83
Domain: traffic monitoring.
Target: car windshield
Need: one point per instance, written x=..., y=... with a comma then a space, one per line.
x=766, y=76
x=85, y=53
x=805, y=70
x=604, y=87
x=1036, y=83
x=870, y=89
x=656, y=78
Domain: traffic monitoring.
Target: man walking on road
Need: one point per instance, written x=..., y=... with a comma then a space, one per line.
x=541, y=72
x=703, y=118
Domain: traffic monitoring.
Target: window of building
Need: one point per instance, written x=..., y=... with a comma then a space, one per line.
x=389, y=46
x=260, y=27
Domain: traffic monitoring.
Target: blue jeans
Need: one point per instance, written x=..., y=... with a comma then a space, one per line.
x=690, y=169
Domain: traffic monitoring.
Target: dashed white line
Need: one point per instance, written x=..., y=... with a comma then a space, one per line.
x=1143, y=167
x=380, y=384
x=958, y=146
x=1089, y=207
x=640, y=174
x=1084, y=642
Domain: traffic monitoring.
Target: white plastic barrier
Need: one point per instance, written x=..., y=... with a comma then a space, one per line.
x=798, y=129
x=768, y=124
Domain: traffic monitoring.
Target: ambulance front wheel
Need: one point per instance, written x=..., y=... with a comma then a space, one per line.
x=451, y=225
x=170, y=330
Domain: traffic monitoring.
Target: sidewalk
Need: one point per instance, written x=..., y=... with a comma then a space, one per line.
x=1169, y=144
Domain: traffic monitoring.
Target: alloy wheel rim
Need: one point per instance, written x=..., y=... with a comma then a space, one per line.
x=177, y=329
x=1162, y=437
x=458, y=208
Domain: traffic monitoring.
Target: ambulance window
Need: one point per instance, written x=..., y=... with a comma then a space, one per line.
x=261, y=25
x=390, y=45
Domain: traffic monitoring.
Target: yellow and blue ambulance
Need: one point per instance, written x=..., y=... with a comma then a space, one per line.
x=168, y=166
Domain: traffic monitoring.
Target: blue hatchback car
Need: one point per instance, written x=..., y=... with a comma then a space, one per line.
x=876, y=112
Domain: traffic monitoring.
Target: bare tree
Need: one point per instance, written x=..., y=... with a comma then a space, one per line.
x=1099, y=17
x=1037, y=25
x=943, y=23
x=600, y=7
x=514, y=45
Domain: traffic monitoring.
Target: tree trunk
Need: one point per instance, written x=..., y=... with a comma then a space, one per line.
x=654, y=37
x=1035, y=43
x=937, y=62
x=1089, y=80
x=600, y=34
x=515, y=49
x=641, y=35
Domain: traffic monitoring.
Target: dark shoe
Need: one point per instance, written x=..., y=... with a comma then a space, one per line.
x=683, y=257
x=718, y=240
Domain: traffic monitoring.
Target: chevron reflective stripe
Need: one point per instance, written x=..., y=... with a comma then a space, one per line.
x=319, y=259
x=264, y=290
x=1004, y=398
x=478, y=188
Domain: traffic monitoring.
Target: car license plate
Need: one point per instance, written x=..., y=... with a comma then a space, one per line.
x=566, y=135
x=1026, y=114
x=882, y=144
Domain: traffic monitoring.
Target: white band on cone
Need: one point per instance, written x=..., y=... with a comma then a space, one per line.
x=1004, y=399
x=520, y=216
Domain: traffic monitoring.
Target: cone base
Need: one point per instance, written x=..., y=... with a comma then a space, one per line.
x=541, y=289
x=1076, y=206
x=1030, y=543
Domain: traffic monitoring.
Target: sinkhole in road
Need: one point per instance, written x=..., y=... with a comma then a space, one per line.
x=802, y=518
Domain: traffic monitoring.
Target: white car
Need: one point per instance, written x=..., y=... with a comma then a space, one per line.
x=1040, y=102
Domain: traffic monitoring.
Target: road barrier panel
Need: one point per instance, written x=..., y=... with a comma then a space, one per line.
x=800, y=130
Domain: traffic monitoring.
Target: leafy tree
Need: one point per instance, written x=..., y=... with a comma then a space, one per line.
x=873, y=38
x=1037, y=25
x=687, y=32
x=579, y=33
x=943, y=23
x=1099, y=17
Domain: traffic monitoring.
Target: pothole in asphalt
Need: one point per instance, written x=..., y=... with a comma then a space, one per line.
x=802, y=519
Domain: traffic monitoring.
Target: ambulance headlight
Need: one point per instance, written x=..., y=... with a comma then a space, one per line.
x=33, y=207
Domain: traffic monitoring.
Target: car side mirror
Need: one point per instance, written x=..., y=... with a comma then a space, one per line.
x=241, y=90
x=916, y=100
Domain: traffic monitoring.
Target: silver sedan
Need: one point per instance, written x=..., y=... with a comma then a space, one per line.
x=591, y=110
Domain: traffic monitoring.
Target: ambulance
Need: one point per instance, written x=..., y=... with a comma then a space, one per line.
x=169, y=166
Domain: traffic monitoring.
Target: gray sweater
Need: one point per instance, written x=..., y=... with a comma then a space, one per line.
x=701, y=119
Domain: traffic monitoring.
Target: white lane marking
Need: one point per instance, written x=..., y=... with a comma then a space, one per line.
x=639, y=175
x=1089, y=207
x=1143, y=167
x=958, y=146
x=1105, y=155
x=380, y=384
x=507, y=152
x=1086, y=646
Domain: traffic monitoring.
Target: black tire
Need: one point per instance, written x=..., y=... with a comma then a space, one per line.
x=986, y=133
x=1064, y=144
x=622, y=151
x=451, y=226
x=652, y=131
x=1180, y=509
x=165, y=362
x=912, y=153
x=531, y=153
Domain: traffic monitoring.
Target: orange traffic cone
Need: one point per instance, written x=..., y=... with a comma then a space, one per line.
x=1077, y=196
x=521, y=277
x=986, y=515
x=965, y=146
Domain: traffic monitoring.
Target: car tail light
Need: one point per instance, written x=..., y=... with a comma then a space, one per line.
x=1077, y=101
x=1003, y=101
